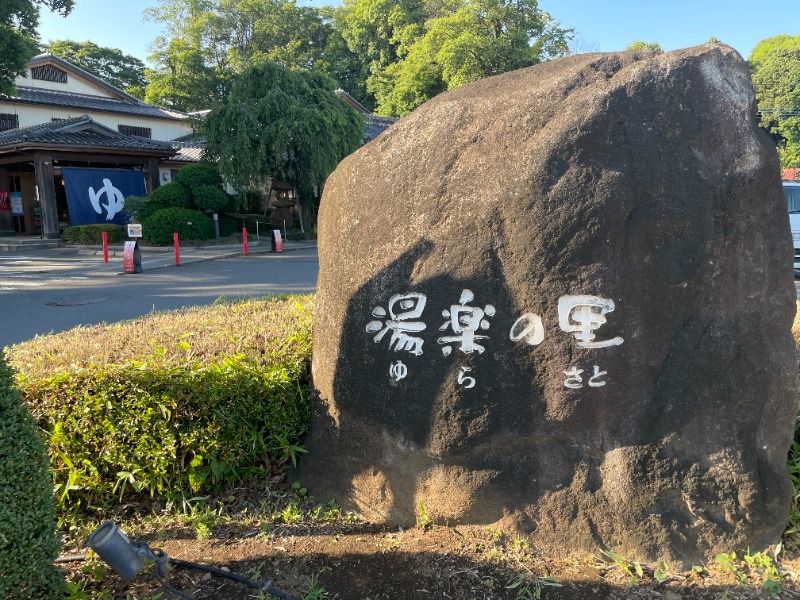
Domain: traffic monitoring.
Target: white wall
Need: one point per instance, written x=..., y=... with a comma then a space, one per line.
x=74, y=85
x=162, y=129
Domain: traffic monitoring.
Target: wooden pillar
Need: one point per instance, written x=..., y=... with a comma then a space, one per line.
x=43, y=165
x=151, y=176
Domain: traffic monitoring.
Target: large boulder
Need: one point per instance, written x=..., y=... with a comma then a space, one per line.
x=560, y=300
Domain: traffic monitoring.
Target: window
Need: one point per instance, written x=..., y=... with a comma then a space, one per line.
x=8, y=121
x=144, y=132
x=792, y=198
x=49, y=73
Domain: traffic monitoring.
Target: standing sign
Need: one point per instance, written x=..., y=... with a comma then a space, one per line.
x=5, y=200
x=277, y=242
x=97, y=196
x=134, y=230
x=16, y=204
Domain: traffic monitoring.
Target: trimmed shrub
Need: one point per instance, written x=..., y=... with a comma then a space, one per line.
x=194, y=176
x=132, y=206
x=211, y=395
x=210, y=197
x=148, y=209
x=173, y=195
x=28, y=542
x=93, y=234
x=159, y=228
x=228, y=225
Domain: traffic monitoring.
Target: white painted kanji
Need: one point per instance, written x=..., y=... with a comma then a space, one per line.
x=465, y=320
x=403, y=309
x=581, y=315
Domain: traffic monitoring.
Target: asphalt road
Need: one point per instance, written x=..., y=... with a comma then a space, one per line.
x=49, y=294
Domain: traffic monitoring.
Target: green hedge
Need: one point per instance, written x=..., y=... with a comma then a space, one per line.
x=210, y=197
x=28, y=542
x=194, y=176
x=93, y=234
x=159, y=228
x=172, y=195
x=172, y=418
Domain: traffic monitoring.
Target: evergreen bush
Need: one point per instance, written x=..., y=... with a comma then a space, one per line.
x=173, y=195
x=28, y=542
x=132, y=206
x=189, y=224
x=194, y=176
x=148, y=208
x=210, y=197
x=93, y=234
x=228, y=225
x=211, y=395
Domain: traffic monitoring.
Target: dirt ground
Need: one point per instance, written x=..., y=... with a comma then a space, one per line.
x=360, y=561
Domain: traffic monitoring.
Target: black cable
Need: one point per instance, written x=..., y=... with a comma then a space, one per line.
x=167, y=586
x=266, y=587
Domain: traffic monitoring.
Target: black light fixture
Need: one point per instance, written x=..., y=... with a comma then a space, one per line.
x=128, y=557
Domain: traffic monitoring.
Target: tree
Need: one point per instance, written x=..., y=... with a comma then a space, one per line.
x=281, y=124
x=775, y=67
x=469, y=40
x=639, y=45
x=109, y=64
x=19, y=20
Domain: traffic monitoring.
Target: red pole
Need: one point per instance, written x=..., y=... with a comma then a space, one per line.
x=105, y=247
x=244, y=238
x=177, y=250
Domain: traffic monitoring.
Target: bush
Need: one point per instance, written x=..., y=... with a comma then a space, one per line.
x=173, y=195
x=148, y=209
x=209, y=197
x=228, y=225
x=211, y=395
x=159, y=228
x=93, y=234
x=28, y=542
x=194, y=176
x=132, y=206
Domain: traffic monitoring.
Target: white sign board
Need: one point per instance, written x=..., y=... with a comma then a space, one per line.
x=134, y=230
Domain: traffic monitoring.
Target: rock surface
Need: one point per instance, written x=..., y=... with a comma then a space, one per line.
x=559, y=300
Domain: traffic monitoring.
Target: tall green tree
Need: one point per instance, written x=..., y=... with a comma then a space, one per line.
x=19, y=21
x=281, y=124
x=466, y=41
x=775, y=67
x=109, y=64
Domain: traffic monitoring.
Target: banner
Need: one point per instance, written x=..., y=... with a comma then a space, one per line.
x=5, y=200
x=98, y=195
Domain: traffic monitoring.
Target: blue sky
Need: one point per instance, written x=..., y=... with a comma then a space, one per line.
x=603, y=25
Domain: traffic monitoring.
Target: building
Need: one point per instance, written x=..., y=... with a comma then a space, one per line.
x=63, y=120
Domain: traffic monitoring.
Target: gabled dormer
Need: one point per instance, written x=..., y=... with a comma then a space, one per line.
x=51, y=73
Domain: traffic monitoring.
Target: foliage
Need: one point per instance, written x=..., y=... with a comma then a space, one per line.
x=211, y=198
x=652, y=46
x=281, y=124
x=172, y=194
x=211, y=395
x=19, y=20
x=775, y=65
x=146, y=209
x=93, y=234
x=228, y=225
x=133, y=206
x=192, y=176
x=109, y=64
x=27, y=511
x=189, y=224
x=413, y=59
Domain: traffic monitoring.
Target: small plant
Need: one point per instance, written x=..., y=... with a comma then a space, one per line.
x=528, y=587
x=662, y=572
x=631, y=568
x=312, y=589
x=424, y=522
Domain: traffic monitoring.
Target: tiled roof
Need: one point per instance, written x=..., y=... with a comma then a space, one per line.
x=79, y=131
x=187, y=153
x=375, y=125
x=791, y=174
x=67, y=100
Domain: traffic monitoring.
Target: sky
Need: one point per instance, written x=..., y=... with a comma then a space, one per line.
x=602, y=25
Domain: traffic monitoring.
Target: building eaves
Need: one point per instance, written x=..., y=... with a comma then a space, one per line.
x=79, y=131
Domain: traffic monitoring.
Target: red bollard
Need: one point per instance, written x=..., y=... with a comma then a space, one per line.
x=244, y=238
x=177, y=250
x=105, y=247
